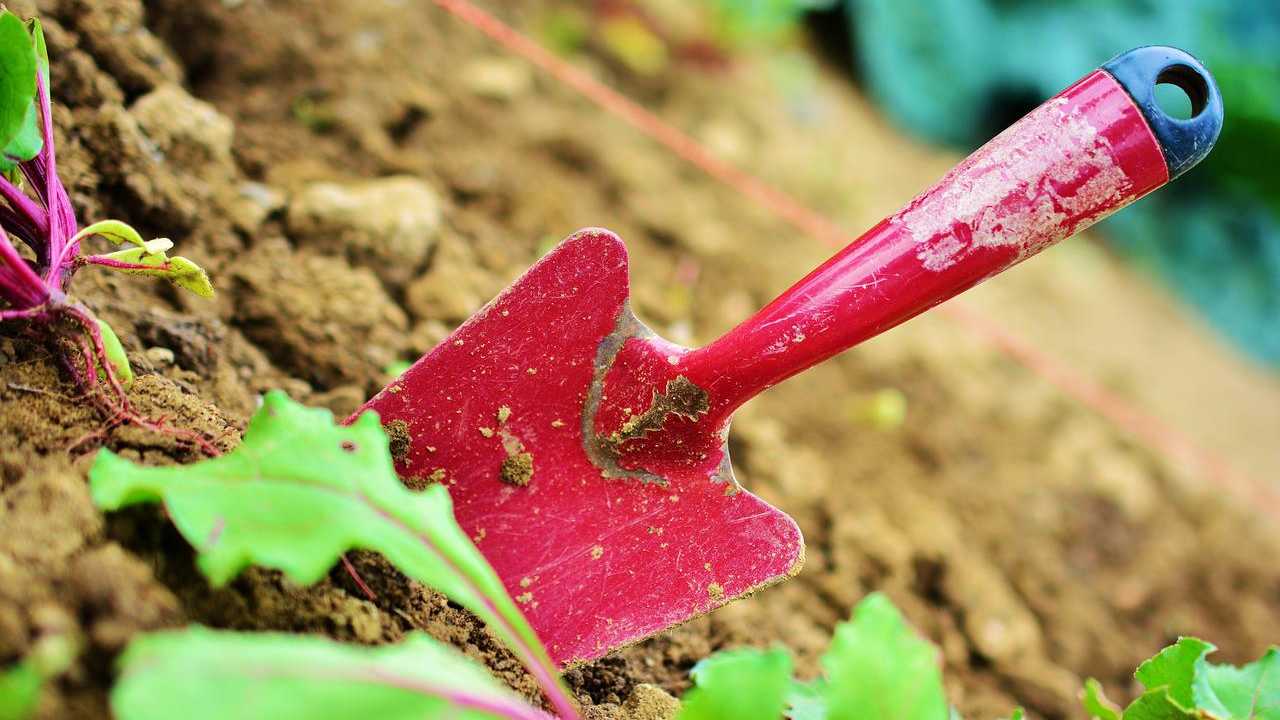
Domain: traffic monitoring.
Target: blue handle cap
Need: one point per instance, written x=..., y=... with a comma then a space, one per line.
x=1184, y=142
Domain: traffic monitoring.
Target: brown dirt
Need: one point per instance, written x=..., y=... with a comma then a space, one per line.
x=1023, y=534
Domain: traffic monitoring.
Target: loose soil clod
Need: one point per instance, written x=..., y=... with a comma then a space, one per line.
x=517, y=469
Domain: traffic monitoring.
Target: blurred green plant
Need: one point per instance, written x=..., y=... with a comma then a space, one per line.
x=877, y=668
x=751, y=21
x=21, y=684
x=213, y=674
x=1179, y=683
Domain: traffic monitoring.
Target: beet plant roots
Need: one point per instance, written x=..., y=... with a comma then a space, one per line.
x=34, y=291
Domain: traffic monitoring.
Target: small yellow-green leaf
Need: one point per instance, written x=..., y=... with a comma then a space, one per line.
x=114, y=230
x=202, y=674
x=115, y=354
x=178, y=270
x=190, y=276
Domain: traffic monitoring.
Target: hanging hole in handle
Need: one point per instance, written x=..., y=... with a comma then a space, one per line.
x=1181, y=92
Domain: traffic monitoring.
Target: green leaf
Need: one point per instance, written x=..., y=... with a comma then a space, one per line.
x=25, y=145
x=20, y=691
x=36, y=31
x=1096, y=703
x=20, y=685
x=298, y=493
x=115, y=354
x=202, y=674
x=116, y=231
x=179, y=270
x=17, y=76
x=1157, y=705
x=1252, y=691
x=878, y=669
x=807, y=701
x=1173, y=669
x=748, y=684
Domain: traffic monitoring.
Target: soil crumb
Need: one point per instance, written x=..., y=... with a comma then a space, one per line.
x=517, y=469
x=400, y=440
x=681, y=397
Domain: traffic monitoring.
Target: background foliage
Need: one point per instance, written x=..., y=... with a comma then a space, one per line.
x=958, y=71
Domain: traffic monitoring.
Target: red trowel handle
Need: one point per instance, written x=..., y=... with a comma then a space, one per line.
x=1096, y=147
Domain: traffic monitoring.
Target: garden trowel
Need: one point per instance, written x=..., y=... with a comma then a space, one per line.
x=586, y=456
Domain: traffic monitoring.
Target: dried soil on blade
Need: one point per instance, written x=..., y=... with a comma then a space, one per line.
x=1019, y=531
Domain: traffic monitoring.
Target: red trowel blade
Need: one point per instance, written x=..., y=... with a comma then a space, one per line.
x=595, y=563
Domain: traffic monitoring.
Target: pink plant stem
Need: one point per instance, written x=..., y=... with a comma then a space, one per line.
x=120, y=265
x=34, y=313
x=29, y=290
x=538, y=665
x=497, y=706
x=23, y=205
x=360, y=583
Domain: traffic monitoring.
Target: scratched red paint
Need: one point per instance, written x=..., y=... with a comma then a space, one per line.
x=597, y=562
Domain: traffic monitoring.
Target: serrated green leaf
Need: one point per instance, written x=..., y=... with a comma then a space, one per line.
x=1174, y=668
x=1095, y=702
x=298, y=493
x=202, y=674
x=19, y=691
x=1237, y=693
x=1018, y=714
x=877, y=668
x=17, y=76
x=115, y=354
x=1157, y=705
x=747, y=684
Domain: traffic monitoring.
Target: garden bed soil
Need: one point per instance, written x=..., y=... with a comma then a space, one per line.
x=1030, y=539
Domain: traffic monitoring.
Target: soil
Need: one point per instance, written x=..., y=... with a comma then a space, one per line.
x=1030, y=539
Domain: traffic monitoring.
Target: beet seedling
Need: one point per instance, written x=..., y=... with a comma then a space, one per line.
x=301, y=491
x=266, y=676
x=1181, y=684
x=876, y=668
x=35, y=289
